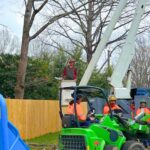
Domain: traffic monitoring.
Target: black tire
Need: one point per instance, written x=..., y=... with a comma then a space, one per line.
x=133, y=145
x=110, y=148
x=129, y=137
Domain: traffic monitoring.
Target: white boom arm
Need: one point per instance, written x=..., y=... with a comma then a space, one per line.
x=126, y=56
x=102, y=44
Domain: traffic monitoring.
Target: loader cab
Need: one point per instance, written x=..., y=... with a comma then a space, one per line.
x=93, y=100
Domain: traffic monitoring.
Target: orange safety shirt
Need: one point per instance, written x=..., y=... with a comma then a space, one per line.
x=106, y=109
x=70, y=110
x=139, y=110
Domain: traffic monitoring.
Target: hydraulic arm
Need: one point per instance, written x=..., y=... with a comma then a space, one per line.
x=86, y=77
x=126, y=55
x=128, y=52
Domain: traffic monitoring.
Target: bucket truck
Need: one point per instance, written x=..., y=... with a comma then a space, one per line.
x=112, y=131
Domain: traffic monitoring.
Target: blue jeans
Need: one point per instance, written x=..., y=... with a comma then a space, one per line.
x=88, y=122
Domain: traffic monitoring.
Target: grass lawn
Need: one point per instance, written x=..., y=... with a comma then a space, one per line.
x=51, y=138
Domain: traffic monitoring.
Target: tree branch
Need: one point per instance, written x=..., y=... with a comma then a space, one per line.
x=52, y=20
x=36, y=11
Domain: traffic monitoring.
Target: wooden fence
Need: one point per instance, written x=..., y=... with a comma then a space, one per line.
x=34, y=118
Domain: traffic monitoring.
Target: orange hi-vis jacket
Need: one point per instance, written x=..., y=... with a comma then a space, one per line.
x=70, y=110
x=107, y=111
x=139, y=110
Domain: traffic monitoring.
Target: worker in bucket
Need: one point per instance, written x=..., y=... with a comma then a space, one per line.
x=70, y=72
x=112, y=102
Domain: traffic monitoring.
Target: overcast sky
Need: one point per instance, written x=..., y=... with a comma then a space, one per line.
x=11, y=15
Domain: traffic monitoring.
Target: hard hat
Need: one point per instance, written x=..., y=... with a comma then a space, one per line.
x=112, y=98
x=143, y=101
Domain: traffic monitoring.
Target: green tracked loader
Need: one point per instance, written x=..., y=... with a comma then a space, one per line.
x=105, y=132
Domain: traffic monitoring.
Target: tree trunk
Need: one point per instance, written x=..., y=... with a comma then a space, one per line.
x=89, y=31
x=20, y=86
x=89, y=56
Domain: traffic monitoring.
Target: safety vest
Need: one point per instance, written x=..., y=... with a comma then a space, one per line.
x=70, y=110
x=106, y=109
x=145, y=110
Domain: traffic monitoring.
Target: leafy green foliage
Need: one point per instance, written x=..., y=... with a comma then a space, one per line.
x=41, y=72
x=8, y=67
x=101, y=79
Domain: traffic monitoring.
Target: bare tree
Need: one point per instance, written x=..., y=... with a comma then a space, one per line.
x=14, y=46
x=5, y=39
x=86, y=28
x=141, y=65
x=32, y=10
x=8, y=42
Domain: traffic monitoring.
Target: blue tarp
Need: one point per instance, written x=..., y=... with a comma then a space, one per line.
x=9, y=135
